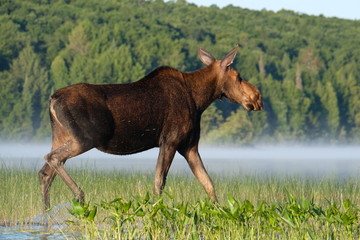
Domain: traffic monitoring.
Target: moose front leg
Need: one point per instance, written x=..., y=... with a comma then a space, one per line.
x=193, y=158
x=165, y=158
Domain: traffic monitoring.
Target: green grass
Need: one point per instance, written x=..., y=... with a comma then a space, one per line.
x=250, y=207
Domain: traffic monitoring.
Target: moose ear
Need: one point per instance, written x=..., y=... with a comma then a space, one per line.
x=229, y=58
x=205, y=57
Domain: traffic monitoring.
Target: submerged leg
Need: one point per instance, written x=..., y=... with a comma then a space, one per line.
x=166, y=156
x=193, y=158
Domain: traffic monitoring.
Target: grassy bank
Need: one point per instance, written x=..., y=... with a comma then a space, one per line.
x=251, y=206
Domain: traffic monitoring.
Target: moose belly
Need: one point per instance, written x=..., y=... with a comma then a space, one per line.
x=131, y=140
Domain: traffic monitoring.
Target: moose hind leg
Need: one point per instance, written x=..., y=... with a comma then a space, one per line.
x=46, y=177
x=56, y=160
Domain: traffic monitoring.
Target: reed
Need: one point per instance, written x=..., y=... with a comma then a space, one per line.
x=250, y=207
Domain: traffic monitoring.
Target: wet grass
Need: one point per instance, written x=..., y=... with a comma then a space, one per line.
x=250, y=207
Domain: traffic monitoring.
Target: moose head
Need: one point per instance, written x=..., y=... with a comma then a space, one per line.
x=232, y=86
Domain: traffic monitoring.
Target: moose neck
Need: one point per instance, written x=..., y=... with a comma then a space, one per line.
x=204, y=86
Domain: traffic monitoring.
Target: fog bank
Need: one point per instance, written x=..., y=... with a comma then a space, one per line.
x=289, y=160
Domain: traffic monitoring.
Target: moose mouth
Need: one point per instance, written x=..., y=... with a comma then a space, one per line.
x=253, y=107
x=249, y=107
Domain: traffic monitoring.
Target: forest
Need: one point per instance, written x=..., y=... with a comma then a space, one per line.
x=307, y=67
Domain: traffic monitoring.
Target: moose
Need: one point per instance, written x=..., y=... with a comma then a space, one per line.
x=162, y=110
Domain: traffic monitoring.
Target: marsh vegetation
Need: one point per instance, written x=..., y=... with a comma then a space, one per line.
x=252, y=206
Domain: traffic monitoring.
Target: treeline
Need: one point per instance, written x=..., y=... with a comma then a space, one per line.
x=307, y=67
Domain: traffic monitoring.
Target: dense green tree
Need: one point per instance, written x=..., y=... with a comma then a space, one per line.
x=11, y=40
x=237, y=129
x=29, y=79
x=329, y=102
x=59, y=73
x=210, y=120
x=306, y=67
x=354, y=106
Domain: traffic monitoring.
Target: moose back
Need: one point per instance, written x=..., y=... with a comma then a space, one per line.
x=163, y=110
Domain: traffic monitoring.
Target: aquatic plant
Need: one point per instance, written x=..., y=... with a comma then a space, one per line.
x=259, y=207
x=151, y=217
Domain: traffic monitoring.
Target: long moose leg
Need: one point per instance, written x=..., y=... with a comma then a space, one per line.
x=46, y=176
x=165, y=158
x=56, y=160
x=193, y=158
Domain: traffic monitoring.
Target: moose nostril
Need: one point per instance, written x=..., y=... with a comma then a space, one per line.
x=250, y=107
x=257, y=106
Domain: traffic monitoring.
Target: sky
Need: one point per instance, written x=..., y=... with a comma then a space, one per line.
x=348, y=9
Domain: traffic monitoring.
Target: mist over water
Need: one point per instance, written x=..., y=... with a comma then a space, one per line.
x=319, y=161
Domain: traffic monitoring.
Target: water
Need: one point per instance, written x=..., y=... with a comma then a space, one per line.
x=317, y=161
x=28, y=232
x=34, y=227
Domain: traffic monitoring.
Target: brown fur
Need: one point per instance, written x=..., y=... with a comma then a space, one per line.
x=163, y=110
